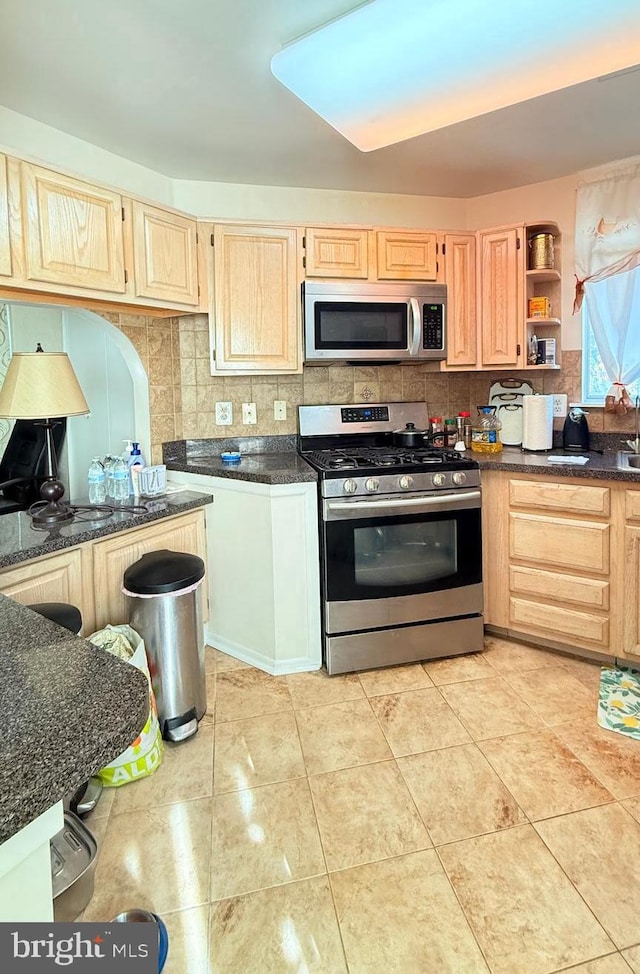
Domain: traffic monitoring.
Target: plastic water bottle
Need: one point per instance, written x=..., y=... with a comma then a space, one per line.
x=97, y=482
x=120, y=480
x=108, y=463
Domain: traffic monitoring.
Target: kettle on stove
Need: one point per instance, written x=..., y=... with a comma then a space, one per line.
x=575, y=433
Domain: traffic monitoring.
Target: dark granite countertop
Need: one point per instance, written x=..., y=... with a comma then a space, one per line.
x=261, y=468
x=264, y=459
x=68, y=709
x=19, y=541
x=601, y=466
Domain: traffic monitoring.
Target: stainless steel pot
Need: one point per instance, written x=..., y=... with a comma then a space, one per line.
x=410, y=437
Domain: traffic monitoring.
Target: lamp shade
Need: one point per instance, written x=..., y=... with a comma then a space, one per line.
x=39, y=385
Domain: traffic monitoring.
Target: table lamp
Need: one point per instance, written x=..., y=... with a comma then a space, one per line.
x=40, y=385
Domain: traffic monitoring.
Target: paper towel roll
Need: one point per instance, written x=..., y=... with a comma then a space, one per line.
x=537, y=422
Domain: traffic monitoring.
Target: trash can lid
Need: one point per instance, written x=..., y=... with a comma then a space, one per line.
x=160, y=572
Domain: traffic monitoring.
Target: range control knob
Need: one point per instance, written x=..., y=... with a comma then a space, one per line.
x=459, y=478
x=350, y=487
x=371, y=484
x=406, y=482
x=438, y=480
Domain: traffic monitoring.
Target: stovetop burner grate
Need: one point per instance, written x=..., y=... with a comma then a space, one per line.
x=373, y=458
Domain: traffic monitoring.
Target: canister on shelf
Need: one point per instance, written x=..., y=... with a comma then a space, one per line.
x=541, y=256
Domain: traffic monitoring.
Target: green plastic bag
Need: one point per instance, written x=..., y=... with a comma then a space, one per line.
x=143, y=755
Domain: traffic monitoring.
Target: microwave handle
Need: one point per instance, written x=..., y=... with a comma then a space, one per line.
x=416, y=328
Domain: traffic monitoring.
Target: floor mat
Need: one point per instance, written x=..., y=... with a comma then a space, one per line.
x=619, y=701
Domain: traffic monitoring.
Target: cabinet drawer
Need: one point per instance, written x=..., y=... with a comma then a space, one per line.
x=632, y=505
x=556, y=622
x=571, y=498
x=559, y=541
x=590, y=592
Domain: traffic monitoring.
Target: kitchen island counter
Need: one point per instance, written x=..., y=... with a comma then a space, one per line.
x=69, y=708
x=271, y=460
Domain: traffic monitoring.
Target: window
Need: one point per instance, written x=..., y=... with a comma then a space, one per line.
x=595, y=381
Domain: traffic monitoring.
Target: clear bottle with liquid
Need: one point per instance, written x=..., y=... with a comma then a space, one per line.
x=485, y=433
x=97, y=482
x=120, y=480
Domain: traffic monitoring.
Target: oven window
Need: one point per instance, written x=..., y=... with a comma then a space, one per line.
x=354, y=325
x=405, y=554
x=409, y=555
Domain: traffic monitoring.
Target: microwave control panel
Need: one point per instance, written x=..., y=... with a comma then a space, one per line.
x=433, y=326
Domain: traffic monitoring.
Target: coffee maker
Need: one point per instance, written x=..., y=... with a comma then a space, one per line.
x=575, y=433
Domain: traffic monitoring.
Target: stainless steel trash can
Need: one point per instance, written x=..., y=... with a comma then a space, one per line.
x=165, y=592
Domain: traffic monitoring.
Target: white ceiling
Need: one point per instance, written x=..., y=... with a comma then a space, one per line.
x=184, y=87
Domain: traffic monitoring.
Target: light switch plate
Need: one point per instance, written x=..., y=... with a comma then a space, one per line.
x=560, y=405
x=249, y=413
x=224, y=413
x=280, y=409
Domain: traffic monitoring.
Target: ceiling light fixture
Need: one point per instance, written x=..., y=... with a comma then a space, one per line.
x=390, y=71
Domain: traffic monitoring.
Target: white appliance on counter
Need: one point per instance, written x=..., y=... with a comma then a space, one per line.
x=537, y=423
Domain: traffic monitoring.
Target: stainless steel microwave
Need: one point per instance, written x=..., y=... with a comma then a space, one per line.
x=373, y=322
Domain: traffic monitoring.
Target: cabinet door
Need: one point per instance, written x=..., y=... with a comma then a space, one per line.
x=58, y=578
x=165, y=258
x=5, y=252
x=501, y=289
x=460, y=278
x=336, y=253
x=113, y=555
x=406, y=256
x=629, y=604
x=257, y=300
x=73, y=231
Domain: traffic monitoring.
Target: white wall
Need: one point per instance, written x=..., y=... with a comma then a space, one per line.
x=244, y=202
x=27, y=138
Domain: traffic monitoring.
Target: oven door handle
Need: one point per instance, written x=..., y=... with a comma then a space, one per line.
x=416, y=330
x=458, y=500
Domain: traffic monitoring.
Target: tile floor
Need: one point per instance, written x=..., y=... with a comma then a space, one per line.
x=465, y=816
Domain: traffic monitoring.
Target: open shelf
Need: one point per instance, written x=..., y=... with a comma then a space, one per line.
x=544, y=321
x=541, y=276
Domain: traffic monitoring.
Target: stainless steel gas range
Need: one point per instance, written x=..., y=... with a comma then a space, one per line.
x=400, y=538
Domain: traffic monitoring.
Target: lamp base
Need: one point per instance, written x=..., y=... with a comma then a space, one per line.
x=53, y=512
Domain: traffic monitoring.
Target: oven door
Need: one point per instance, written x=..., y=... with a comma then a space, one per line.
x=395, y=560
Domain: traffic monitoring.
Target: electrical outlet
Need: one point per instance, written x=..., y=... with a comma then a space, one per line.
x=280, y=409
x=249, y=413
x=560, y=405
x=224, y=413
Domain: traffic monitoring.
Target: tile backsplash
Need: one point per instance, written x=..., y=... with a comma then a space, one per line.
x=183, y=393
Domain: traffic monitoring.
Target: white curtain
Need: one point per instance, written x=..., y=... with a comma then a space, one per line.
x=607, y=253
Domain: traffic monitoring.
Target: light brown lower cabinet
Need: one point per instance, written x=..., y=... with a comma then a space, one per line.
x=89, y=576
x=562, y=561
x=112, y=556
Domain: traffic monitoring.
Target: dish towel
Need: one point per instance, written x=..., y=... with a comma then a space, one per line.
x=619, y=701
x=578, y=460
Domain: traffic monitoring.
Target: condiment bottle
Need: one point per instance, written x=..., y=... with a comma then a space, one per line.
x=450, y=436
x=466, y=426
x=437, y=430
x=485, y=435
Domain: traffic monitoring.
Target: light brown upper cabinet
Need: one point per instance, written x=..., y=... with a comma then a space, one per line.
x=256, y=307
x=5, y=249
x=404, y=256
x=72, y=231
x=336, y=252
x=459, y=255
x=165, y=255
x=501, y=311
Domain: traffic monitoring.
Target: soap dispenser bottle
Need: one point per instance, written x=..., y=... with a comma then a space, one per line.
x=135, y=461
